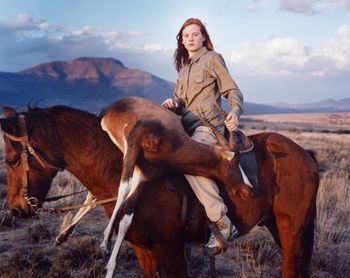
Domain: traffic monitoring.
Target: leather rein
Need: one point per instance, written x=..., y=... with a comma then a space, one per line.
x=28, y=150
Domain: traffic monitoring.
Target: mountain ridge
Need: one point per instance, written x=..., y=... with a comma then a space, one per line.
x=92, y=83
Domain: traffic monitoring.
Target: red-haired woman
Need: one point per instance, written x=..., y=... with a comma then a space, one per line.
x=202, y=79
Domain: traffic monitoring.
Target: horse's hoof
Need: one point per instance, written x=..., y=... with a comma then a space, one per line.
x=105, y=250
x=60, y=239
x=214, y=251
x=57, y=241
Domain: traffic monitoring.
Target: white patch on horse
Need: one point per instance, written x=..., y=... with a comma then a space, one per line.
x=114, y=140
x=245, y=178
x=76, y=219
x=126, y=188
x=124, y=225
x=125, y=146
x=123, y=190
x=229, y=155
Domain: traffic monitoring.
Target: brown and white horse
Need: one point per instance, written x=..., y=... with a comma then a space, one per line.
x=73, y=139
x=152, y=138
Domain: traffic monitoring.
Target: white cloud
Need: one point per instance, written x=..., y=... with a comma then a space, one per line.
x=290, y=57
x=254, y=5
x=21, y=20
x=86, y=30
x=120, y=39
x=336, y=50
x=302, y=6
x=277, y=55
x=323, y=4
x=297, y=6
x=26, y=41
x=156, y=47
x=43, y=25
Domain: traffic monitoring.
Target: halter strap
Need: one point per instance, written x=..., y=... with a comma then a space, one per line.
x=27, y=150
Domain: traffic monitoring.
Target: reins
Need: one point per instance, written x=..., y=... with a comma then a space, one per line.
x=67, y=208
x=58, y=197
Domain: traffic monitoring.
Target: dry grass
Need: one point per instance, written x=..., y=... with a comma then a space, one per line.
x=30, y=253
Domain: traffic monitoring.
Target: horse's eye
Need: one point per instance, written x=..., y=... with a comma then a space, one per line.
x=13, y=163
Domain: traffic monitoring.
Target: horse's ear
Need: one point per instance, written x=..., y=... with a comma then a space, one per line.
x=4, y=123
x=9, y=124
x=9, y=112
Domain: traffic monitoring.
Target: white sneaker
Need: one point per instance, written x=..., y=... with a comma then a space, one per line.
x=228, y=231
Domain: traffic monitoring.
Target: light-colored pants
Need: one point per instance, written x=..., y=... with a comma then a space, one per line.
x=206, y=189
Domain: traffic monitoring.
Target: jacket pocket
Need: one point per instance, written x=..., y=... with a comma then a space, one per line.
x=198, y=78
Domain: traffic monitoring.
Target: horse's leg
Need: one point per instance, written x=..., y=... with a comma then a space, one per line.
x=307, y=243
x=295, y=228
x=147, y=261
x=130, y=174
x=62, y=237
x=270, y=224
x=171, y=259
x=107, y=235
x=126, y=219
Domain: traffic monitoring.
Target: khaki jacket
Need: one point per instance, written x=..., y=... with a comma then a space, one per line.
x=203, y=80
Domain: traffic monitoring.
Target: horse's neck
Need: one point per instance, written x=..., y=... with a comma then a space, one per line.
x=92, y=158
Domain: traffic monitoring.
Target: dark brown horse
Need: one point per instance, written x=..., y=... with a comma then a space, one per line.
x=63, y=137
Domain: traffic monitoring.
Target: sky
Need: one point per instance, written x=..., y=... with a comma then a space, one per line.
x=290, y=51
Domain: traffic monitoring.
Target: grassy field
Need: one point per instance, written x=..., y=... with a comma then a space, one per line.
x=26, y=248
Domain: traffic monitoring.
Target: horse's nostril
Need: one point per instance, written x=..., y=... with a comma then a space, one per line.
x=15, y=212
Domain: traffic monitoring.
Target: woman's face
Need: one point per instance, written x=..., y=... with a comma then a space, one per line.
x=192, y=38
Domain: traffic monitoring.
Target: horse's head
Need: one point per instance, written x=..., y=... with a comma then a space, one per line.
x=234, y=174
x=32, y=160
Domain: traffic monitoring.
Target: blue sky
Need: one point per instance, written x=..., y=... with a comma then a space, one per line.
x=293, y=51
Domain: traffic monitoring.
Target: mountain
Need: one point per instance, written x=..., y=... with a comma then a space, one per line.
x=94, y=83
x=327, y=105
x=86, y=83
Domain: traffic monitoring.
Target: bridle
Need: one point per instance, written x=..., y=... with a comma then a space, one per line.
x=26, y=151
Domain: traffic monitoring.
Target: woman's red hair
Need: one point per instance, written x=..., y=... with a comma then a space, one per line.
x=181, y=53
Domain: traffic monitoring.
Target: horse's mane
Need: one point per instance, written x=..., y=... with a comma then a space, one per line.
x=44, y=121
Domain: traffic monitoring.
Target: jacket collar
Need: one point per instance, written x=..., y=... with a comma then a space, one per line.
x=198, y=54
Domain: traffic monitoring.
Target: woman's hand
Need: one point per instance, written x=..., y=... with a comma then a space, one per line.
x=170, y=104
x=231, y=121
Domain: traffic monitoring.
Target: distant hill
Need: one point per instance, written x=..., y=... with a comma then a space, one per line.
x=86, y=83
x=93, y=83
x=327, y=105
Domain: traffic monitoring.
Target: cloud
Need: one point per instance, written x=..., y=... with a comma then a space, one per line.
x=292, y=70
x=276, y=55
x=297, y=6
x=290, y=57
x=26, y=41
x=254, y=5
x=303, y=6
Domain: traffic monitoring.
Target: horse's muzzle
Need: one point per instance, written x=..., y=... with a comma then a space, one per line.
x=19, y=212
x=15, y=212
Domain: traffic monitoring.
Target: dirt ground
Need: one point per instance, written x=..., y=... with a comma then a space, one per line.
x=21, y=237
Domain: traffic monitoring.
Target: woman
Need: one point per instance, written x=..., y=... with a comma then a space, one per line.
x=202, y=79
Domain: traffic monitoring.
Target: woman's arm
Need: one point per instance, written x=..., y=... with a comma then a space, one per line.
x=229, y=90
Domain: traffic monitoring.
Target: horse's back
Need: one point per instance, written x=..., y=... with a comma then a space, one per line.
x=140, y=109
x=281, y=149
x=294, y=172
